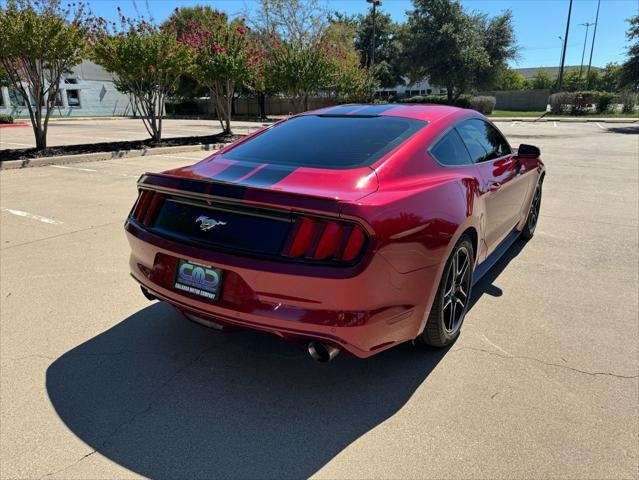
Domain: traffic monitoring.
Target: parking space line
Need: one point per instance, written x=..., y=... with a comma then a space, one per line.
x=39, y=218
x=554, y=124
x=73, y=168
x=600, y=126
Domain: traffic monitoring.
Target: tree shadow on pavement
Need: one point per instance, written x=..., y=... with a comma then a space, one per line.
x=167, y=398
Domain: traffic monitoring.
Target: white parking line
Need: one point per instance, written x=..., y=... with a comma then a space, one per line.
x=73, y=168
x=554, y=124
x=600, y=126
x=39, y=218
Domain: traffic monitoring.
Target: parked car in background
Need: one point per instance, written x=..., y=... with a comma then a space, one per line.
x=356, y=227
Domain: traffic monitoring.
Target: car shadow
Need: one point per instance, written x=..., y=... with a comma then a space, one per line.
x=167, y=398
x=631, y=130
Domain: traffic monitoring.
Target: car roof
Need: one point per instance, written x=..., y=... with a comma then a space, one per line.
x=425, y=112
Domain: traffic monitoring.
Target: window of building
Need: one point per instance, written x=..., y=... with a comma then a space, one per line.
x=73, y=98
x=429, y=91
x=71, y=81
x=484, y=142
x=1, y=98
x=450, y=150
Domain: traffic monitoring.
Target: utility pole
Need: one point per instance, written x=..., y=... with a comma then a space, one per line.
x=581, y=65
x=594, y=34
x=563, y=53
x=375, y=3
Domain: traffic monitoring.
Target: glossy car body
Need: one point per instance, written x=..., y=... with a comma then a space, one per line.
x=410, y=208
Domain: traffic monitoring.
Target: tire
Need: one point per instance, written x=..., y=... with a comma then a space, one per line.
x=533, y=214
x=441, y=328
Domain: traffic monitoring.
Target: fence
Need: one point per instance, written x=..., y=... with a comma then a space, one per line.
x=273, y=105
x=524, y=100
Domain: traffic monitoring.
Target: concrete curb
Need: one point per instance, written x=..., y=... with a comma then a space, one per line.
x=564, y=119
x=100, y=156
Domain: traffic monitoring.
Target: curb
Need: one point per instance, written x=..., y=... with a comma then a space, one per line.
x=564, y=119
x=100, y=156
x=13, y=125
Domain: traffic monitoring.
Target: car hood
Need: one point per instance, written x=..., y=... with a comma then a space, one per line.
x=344, y=185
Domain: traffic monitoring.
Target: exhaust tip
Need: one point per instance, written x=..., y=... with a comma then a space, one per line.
x=322, y=352
x=148, y=294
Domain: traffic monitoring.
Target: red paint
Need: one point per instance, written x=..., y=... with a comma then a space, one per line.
x=406, y=211
x=12, y=125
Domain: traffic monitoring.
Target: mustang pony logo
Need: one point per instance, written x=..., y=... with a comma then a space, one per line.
x=207, y=223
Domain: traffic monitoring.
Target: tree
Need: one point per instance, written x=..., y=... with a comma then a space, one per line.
x=542, y=80
x=299, y=71
x=226, y=58
x=455, y=49
x=147, y=62
x=388, y=47
x=608, y=78
x=509, y=79
x=41, y=41
x=629, y=76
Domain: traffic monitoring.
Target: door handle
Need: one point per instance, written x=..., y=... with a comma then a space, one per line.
x=494, y=186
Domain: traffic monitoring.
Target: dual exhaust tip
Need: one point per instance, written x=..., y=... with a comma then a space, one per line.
x=322, y=352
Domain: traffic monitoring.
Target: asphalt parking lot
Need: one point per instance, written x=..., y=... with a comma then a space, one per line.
x=79, y=131
x=97, y=382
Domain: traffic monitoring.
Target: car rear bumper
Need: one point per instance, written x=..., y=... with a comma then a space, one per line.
x=363, y=314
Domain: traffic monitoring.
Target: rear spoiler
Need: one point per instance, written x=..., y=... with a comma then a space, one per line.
x=224, y=192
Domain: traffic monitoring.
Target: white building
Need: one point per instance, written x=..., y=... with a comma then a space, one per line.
x=422, y=87
x=87, y=91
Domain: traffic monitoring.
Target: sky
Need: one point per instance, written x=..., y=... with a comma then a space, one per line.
x=538, y=23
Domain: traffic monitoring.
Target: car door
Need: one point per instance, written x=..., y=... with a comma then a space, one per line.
x=503, y=186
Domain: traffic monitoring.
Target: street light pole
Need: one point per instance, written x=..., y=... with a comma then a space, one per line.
x=594, y=34
x=375, y=3
x=563, y=53
x=583, y=52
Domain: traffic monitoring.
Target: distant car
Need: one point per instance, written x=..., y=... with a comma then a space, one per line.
x=355, y=227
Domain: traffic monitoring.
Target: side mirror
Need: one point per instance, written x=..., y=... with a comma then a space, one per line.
x=528, y=151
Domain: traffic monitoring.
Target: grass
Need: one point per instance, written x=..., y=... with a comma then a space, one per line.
x=513, y=113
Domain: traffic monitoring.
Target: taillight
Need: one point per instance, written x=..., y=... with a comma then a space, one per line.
x=325, y=240
x=146, y=206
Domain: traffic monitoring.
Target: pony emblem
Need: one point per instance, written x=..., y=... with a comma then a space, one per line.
x=207, y=223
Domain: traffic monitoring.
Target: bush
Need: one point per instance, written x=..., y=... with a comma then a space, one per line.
x=604, y=101
x=6, y=119
x=560, y=101
x=483, y=104
x=628, y=101
x=462, y=102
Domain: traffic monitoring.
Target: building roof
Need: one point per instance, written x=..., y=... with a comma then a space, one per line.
x=552, y=71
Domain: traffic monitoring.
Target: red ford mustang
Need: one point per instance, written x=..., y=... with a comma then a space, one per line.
x=355, y=227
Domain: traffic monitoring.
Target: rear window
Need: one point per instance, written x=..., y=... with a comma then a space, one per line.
x=327, y=141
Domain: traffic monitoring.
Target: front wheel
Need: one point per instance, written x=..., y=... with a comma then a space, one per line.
x=453, y=296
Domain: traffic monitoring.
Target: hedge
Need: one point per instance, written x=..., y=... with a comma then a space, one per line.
x=580, y=103
x=6, y=119
x=463, y=101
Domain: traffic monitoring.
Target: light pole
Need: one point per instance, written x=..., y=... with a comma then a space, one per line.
x=583, y=52
x=594, y=34
x=563, y=52
x=375, y=3
x=562, y=46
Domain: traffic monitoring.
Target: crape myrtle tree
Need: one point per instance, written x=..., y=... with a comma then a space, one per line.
x=146, y=61
x=225, y=59
x=456, y=49
x=41, y=41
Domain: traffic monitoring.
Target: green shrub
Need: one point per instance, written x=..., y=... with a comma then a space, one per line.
x=6, y=119
x=483, y=104
x=463, y=101
x=561, y=101
x=628, y=100
x=575, y=103
x=604, y=101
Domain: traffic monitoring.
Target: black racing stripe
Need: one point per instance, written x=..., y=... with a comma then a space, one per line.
x=375, y=109
x=235, y=172
x=342, y=110
x=269, y=175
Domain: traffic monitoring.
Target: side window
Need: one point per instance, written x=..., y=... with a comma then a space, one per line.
x=484, y=142
x=450, y=150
